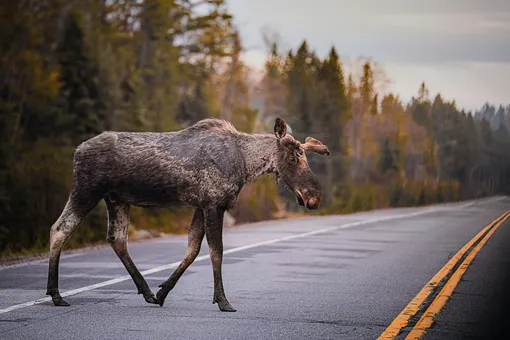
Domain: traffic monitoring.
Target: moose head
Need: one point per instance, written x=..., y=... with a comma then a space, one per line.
x=292, y=166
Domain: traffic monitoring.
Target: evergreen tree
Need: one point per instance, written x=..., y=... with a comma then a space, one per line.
x=81, y=111
x=300, y=79
x=194, y=107
x=374, y=105
x=502, y=133
x=333, y=116
x=367, y=84
x=274, y=91
x=389, y=156
x=420, y=107
x=236, y=99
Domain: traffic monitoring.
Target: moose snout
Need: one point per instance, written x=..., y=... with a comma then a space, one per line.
x=313, y=203
x=306, y=198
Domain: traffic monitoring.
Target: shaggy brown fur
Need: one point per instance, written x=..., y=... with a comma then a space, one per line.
x=204, y=165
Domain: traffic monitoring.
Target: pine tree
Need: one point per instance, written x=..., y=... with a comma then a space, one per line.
x=374, y=105
x=273, y=91
x=194, y=106
x=334, y=114
x=298, y=77
x=502, y=133
x=420, y=107
x=81, y=111
x=367, y=87
x=236, y=99
x=389, y=156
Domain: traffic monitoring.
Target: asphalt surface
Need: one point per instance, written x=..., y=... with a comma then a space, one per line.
x=332, y=277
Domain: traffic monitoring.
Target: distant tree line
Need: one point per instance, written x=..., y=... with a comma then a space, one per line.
x=386, y=152
x=72, y=69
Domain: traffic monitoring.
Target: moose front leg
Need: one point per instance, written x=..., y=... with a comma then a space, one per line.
x=214, y=233
x=195, y=236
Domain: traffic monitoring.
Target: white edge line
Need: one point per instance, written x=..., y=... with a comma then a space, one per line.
x=205, y=257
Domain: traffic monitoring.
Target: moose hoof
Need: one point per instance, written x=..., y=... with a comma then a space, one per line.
x=161, y=296
x=224, y=305
x=58, y=301
x=150, y=298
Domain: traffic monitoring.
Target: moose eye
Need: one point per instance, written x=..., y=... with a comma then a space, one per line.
x=292, y=160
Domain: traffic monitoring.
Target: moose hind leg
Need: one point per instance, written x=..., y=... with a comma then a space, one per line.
x=214, y=234
x=62, y=229
x=195, y=236
x=118, y=222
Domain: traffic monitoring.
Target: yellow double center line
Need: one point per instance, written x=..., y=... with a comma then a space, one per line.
x=427, y=319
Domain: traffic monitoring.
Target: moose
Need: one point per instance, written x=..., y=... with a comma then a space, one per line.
x=204, y=165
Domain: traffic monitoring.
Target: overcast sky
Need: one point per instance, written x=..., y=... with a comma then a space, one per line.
x=460, y=48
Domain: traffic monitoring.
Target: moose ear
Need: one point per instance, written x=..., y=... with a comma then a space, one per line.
x=314, y=145
x=280, y=128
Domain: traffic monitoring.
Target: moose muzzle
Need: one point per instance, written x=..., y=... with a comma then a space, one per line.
x=304, y=198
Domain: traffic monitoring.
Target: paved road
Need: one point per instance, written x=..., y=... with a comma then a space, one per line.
x=333, y=277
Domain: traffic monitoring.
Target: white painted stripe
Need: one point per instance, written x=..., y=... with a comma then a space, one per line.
x=88, y=276
x=493, y=199
x=204, y=257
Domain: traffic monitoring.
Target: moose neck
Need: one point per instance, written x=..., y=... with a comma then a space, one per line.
x=259, y=153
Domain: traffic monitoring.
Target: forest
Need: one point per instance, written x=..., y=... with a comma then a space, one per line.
x=72, y=69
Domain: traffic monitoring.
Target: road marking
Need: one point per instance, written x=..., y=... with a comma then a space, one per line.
x=228, y=251
x=484, y=200
x=413, y=307
x=435, y=307
x=89, y=276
